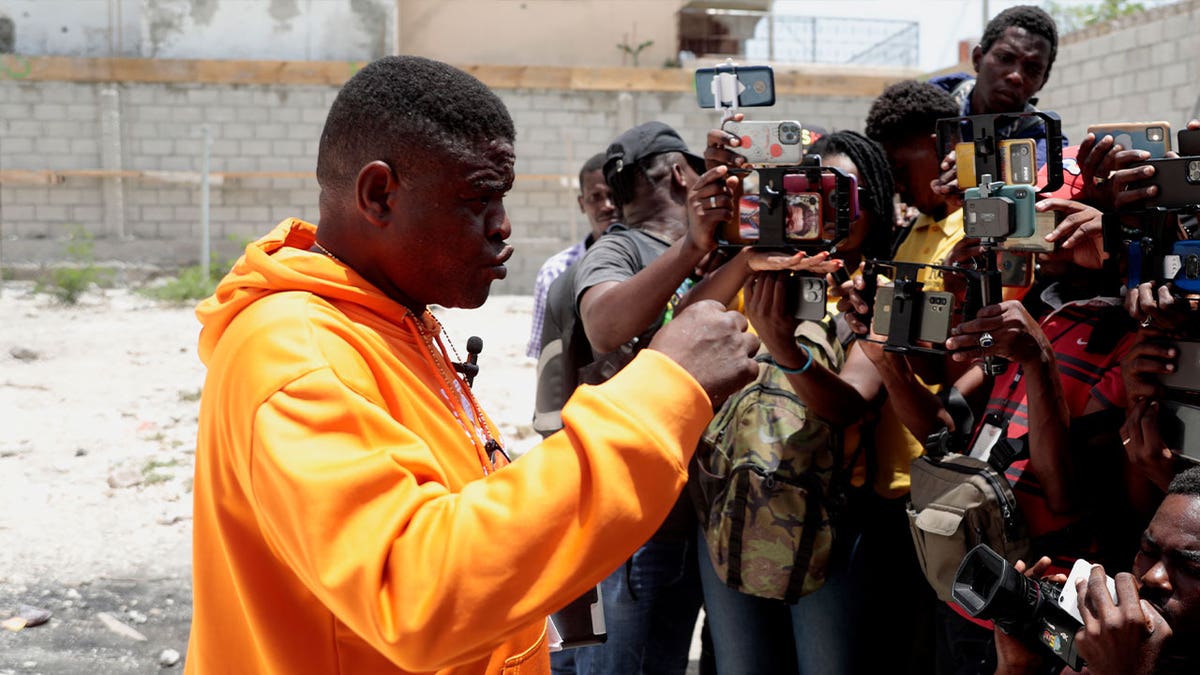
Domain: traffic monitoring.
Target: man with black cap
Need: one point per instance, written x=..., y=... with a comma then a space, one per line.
x=625, y=287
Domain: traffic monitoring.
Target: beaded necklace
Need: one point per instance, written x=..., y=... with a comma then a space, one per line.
x=477, y=425
x=473, y=428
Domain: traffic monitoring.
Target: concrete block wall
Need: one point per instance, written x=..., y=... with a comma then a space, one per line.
x=59, y=126
x=1144, y=67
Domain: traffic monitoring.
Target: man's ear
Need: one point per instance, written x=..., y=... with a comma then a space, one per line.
x=976, y=57
x=372, y=192
x=579, y=198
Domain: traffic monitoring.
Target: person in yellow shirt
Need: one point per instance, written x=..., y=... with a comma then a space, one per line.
x=354, y=509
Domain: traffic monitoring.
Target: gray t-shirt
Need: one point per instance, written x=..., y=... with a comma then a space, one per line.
x=616, y=257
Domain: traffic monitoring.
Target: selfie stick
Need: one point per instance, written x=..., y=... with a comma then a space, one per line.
x=725, y=89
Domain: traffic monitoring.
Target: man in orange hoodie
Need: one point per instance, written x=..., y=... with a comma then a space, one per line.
x=353, y=508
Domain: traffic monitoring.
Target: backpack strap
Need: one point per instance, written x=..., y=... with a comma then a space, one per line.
x=1007, y=451
x=812, y=525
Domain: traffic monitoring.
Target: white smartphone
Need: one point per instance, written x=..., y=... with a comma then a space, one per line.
x=1068, y=600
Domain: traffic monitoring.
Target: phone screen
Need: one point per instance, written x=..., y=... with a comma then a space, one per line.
x=755, y=86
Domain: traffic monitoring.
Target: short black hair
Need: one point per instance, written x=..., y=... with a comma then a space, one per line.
x=649, y=171
x=397, y=104
x=1186, y=483
x=1031, y=18
x=908, y=109
x=868, y=157
x=594, y=163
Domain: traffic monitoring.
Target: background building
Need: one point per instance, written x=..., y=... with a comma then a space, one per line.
x=107, y=107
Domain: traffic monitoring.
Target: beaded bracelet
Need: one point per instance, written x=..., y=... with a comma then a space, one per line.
x=794, y=371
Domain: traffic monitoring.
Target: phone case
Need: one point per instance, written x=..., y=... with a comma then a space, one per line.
x=1044, y=223
x=778, y=143
x=964, y=165
x=1178, y=181
x=1189, y=142
x=1179, y=424
x=1187, y=368
x=1016, y=268
x=934, y=322
x=1154, y=137
x=581, y=623
x=1018, y=161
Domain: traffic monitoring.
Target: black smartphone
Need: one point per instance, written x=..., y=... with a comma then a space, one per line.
x=745, y=86
x=1189, y=142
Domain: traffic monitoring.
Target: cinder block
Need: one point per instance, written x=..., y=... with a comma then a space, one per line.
x=1174, y=75
x=157, y=213
x=30, y=128
x=288, y=148
x=218, y=114
x=14, y=145
x=303, y=132
x=206, y=96
x=236, y=131
x=254, y=214
x=157, y=146
x=1163, y=52
x=314, y=115
x=256, y=148
x=235, y=96
x=273, y=163
x=152, y=113
x=270, y=132
x=48, y=212
x=283, y=114
x=52, y=146
x=177, y=163
x=88, y=215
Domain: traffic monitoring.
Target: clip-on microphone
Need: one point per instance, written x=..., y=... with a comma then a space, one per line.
x=471, y=368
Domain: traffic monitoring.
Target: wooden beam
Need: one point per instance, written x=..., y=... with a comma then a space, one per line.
x=809, y=81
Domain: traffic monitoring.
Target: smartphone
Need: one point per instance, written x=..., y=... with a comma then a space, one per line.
x=1044, y=223
x=806, y=297
x=933, y=323
x=1189, y=142
x=581, y=623
x=770, y=143
x=1187, y=368
x=1153, y=137
x=964, y=165
x=830, y=197
x=1179, y=424
x=741, y=86
x=1178, y=181
x=1018, y=161
x=1068, y=599
x=1016, y=268
x=1008, y=212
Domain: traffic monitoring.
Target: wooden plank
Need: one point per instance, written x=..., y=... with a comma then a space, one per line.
x=811, y=81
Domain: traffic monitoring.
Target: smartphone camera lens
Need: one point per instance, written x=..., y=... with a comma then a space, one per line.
x=1155, y=134
x=1193, y=171
x=789, y=134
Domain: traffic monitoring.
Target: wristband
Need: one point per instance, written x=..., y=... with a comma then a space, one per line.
x=795, y=371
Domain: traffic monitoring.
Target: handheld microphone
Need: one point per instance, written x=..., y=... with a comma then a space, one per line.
x=471, y=368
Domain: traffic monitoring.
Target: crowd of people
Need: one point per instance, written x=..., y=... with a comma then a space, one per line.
x=356, y=511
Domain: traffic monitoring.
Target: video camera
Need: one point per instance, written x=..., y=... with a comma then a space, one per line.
x=789, y=200
x=1035, y=611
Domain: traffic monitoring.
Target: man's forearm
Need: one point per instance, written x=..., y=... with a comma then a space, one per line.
x=619, y=312
x=1049, y=420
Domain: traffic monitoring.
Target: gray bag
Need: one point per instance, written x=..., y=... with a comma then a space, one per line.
x=957, y=502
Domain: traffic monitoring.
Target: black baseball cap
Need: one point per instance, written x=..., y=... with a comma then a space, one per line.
x=642, y=141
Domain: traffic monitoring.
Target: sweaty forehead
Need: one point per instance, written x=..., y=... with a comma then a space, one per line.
x=1017, y=39
x=1176, y=525
x=488, y=164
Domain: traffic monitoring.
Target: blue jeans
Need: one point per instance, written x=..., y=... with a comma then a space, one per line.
x=760, y=636
x=650, y=610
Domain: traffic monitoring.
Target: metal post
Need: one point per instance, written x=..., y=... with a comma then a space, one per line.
x=205, y=224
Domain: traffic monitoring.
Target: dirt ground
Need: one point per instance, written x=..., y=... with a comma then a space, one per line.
x=98, y=407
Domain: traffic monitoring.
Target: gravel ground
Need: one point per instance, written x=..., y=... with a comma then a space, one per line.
x=98, y=405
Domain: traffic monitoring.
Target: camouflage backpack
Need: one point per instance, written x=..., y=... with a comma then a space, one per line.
x=766, y=478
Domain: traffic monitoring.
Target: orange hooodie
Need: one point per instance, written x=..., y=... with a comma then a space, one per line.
x=344, y=518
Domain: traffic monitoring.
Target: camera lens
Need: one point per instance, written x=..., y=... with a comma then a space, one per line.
x=789, y=134
x=1154, y=134
x=1193, y=171
x=989, y=588
x=1023, y=150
